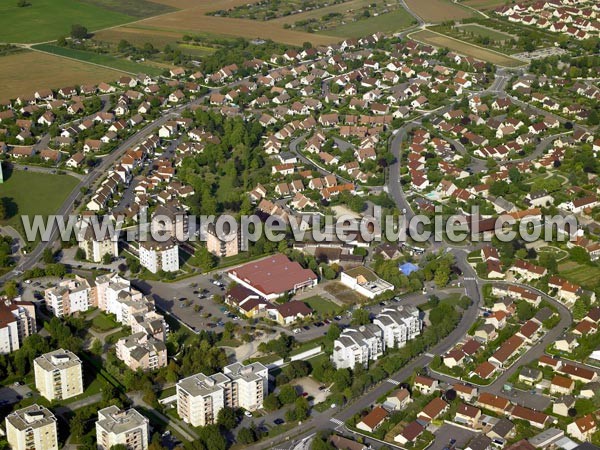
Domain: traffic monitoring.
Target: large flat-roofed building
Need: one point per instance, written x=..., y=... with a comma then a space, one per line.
x=70, y=296
x=17, y=321
x=32, y=428
x=58, y=375
x=274, y=276
x=365, y=282
x=119, y=427
x=201, y=397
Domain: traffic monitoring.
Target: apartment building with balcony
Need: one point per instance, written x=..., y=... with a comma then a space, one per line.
x=140, y=351
x=159, y=256
x=17, y=321
x=399, y=325
x=357, y=346
x=32, y=428
x=201, y=397
x=121, y=427
x=58, y=375
x=69, y=296
x=391, y=328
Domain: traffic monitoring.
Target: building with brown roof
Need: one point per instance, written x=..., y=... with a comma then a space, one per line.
x=274, y=276
x=373, y=420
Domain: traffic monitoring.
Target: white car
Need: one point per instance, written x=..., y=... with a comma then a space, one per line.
x=247, y=413
x=297, y=330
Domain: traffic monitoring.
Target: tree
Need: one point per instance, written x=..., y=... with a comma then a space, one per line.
x=56, y=270
x=525, y=311
x=79, y=254
x=287, y=394
x=333, y=333
x=79, y=31
x=246, y=436
x=226, y=418
x=271, y=402
x=361, y=316
x=594, y=117
x=48, y=256
x=10, y=289
x=107, y=258
x=23, y=3
x=301, y=408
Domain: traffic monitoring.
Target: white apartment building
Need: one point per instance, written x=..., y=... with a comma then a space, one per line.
x=157, y=256
x=252, y=382
x=119, y=427
x=357, y=346
x=70, y=296
x=58, y=375
x=138, y=351
x=32, y=428
x=95, y=245
x=201, y=397
x=398, y=325
x=17, y=321
x=392, y=328
x=116, y=296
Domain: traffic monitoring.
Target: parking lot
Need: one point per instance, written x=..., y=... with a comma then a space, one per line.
x=447, y=433
x=14, y=393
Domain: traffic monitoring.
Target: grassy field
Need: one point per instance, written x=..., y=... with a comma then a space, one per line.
x=486, y=32
x=103, y=323
x=322, y=306
x=484, y=4
x=139, y=36
x=46, y=71
x=33, y=193
x=438, y=10
x=46, y=20
x=586, y=276
x=464, y=48
x=387, y=23
x=103, y=60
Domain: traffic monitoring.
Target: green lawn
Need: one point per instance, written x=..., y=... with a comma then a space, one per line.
x=322, y=306
x=486, y=32
x=33, y=193
x=391, y=22
x=103, y=323
x=97, y=58
x=47, y=20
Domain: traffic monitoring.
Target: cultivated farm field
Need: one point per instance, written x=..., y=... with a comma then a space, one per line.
x=464, y=48
x=46, y=71
x=434, y=11
x=586, y=276
x=194, y=22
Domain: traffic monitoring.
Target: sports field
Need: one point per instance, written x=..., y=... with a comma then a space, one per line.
x=434, y=11
x=34, y=193
x=46, y=71
x=463, y=48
